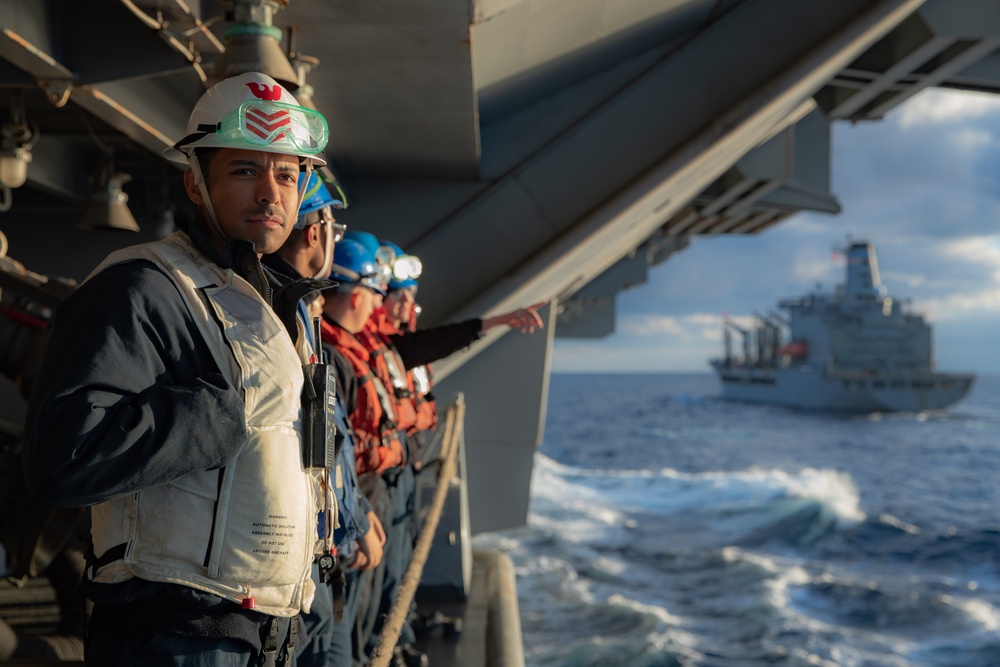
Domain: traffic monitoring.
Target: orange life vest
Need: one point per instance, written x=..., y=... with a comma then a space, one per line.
x=377, y=436
x=388, y=365
x=419, y=382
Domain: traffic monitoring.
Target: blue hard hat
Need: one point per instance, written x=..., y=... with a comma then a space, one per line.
x=316, y=197
x=405, y=268
x=353, y=264
x=384, y=257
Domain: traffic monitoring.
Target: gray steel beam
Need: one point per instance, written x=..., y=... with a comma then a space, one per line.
x=144, y=110
x=939, y=75
x=891, y=76
x=34, y=61
x=586, y=318
x=755, y=222
x=762, y=190
x=731, y=195
x=59, y=169
x=671, y=164
x=395, y=81
x=506, y=392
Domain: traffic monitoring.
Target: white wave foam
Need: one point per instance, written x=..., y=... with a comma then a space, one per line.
x=890, y=520
x=584, y=497
x=979, y=611
x=664, y=616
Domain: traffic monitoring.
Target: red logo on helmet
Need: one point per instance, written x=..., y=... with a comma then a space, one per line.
x=263, y=92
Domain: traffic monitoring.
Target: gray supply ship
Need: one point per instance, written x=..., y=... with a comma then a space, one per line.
x=856, y=349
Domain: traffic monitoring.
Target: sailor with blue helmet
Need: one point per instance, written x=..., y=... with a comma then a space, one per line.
x=401, y=311
x=381, y=454
x=418, y=348
x=384, y=257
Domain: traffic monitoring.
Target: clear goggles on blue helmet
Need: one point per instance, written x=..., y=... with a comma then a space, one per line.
x=369, y=280
x=407, y=267
x=323, y=216
x=384, y=259
x=263, y=123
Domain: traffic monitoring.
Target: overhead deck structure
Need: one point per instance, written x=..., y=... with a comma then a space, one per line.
x=524, y=149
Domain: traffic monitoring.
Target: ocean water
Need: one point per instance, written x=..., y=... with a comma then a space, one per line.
x=670, y=527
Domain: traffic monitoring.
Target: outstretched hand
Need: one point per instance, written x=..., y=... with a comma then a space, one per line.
x=525, y=319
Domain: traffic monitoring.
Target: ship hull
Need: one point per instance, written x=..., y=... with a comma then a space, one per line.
x=842, y=392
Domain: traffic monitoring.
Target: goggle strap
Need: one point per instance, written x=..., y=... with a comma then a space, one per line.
x=352, y=275
x=193, y=137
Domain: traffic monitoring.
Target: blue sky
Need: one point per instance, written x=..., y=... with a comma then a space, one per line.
x=923, y=185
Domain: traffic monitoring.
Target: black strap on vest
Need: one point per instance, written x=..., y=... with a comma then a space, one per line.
x=269, y=654
x=338, y=586
x=293, y=636
x=94, y=563
x=387, y=424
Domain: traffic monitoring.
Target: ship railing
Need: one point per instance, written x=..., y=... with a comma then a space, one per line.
x=442, y=554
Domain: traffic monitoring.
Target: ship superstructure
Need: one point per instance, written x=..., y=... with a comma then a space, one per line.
x=853, y=349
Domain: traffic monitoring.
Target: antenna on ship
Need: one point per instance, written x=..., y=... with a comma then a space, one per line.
x=727, y=337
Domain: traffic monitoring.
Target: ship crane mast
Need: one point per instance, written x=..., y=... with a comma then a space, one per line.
x=728, y=323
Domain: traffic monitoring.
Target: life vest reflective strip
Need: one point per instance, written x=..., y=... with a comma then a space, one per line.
x=427, y=416
x=378, y=444
x=388, y=405
x=389, y=367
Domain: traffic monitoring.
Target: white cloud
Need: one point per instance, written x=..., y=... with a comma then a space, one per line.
x=894, y=279
x=650, y=325
x=984, y=249
x=972, y=138
x=934, y=106
x=808, y=269
x=704, y=319
x=644, y=355
x=705, y=326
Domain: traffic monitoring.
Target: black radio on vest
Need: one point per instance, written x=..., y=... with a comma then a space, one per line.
x=319, y=400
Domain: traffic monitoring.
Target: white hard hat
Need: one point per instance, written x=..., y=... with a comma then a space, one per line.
x=252, y=111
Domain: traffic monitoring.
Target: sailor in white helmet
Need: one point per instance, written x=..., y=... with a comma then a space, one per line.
x=172, y=406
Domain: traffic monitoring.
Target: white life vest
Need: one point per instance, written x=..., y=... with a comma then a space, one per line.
x=247, y=530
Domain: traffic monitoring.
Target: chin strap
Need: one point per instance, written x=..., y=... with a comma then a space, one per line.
x=199, y=180
x=324, y=272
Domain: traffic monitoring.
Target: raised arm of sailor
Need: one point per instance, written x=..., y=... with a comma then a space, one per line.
x=525, y=319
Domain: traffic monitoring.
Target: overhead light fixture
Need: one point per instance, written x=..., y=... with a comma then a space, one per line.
x=253, y=44
x=16, y=140
x=14, y=166
x=109, y=207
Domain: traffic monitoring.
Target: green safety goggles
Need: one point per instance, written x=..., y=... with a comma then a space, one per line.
x=261, y=124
